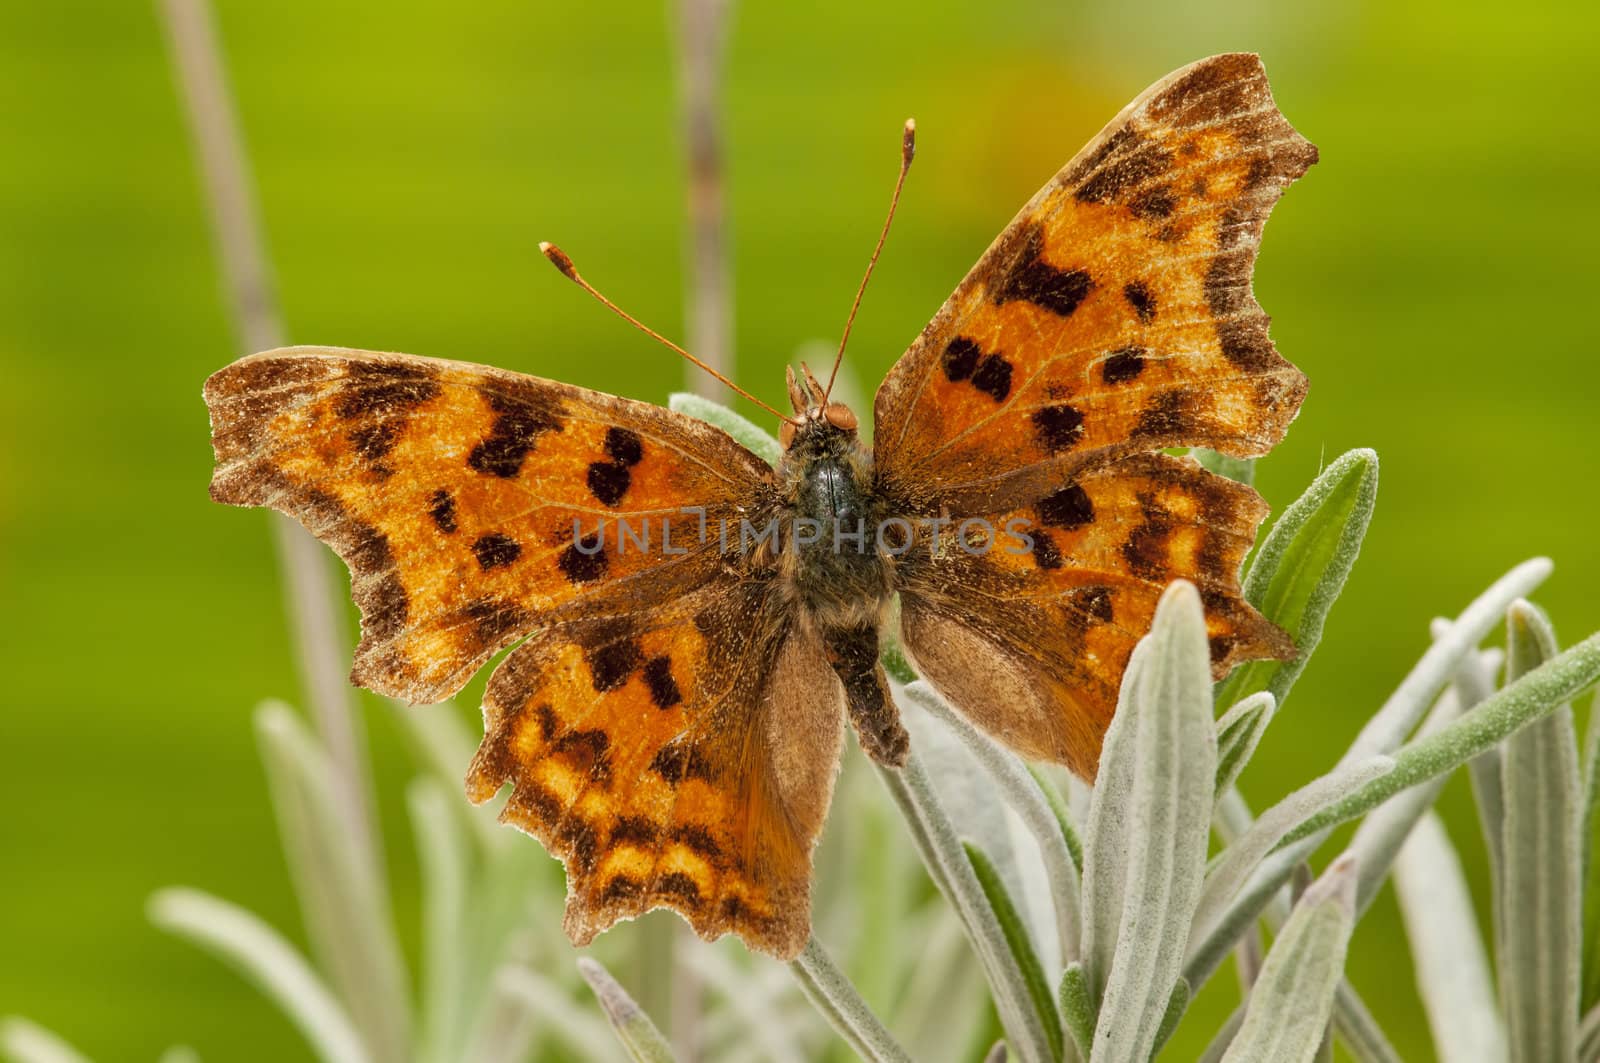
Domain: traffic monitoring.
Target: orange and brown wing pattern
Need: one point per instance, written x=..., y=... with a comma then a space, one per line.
x=1029, y=634
x=468, y=501
x=681, y=757
x=1114, y=314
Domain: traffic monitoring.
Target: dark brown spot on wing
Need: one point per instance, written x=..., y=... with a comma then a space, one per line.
x=1067, y=508
x=373, y=441
x=1122, y=366
x=663, y=688
x=1035, y=281
x=496, y=550
x=1143, y=301
x=1046, y=554
x=442, y=508
x=513, y=436
x=378, y=389
x=960, y=358
x=584, y=560
x=1058, y=427
x=611, y=665
x=609, y=481
x=587, y=752
x=993, y=377
x=624, y=446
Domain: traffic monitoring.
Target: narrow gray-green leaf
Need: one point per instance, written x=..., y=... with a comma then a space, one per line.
x=1017, y=940
x=241, y=939
x=832, y=993
x=747, y=433
x=1302, y=566
x=26, y=1042
x=1177, y=1004
x=757, y=1010
x=946, y=860
x=525, y=1002
x=1239, y=731
x=1289, y=1008
x=1077, y=1007
x=345, y=910
x=1234, y=865
x=1591, y=860
x=633, y=1027
x=1534, y=695
x=1447, y=951
x=1353, y=1021
x=1062, y=814
x=443, y=857
x=1149, y=825
x=1542, y=907
x=1022, y=792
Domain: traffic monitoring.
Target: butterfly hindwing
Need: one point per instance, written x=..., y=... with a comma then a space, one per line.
x=466, y=500
x=1114, y=314
x=681, y=757
x=1029, y=633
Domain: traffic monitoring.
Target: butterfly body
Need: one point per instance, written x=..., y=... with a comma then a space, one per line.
x=688, y=628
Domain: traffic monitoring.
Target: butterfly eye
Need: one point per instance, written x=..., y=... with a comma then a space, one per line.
x=786, y=434
x=841, y=417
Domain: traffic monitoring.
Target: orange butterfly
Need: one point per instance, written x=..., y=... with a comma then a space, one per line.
x=695, y=625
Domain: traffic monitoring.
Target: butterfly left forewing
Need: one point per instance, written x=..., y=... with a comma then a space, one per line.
x=467, y=500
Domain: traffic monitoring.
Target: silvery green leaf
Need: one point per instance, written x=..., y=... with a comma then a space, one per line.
x=1233, y=866
x=1382, y=734
x=966, y=787
x=747, y=433
x=831, y=992
x=1452, y=967
x=345, y=909
x=1381, y=834
x=443, y=857
x=1239, y=731
x=633, y=1027
x=443, y=747
x=1531, y=697
x=260, y=953
x=525, y=1000
x=1017, y=940
x=1591, y=861
x=1022, y=792
x=1301, y=566
x=1149, y=824
x=940, y=847
x=1077, y=1007
x=997, y=1053
x=26, y=1042
x=1223, y=1037
x=1062, y=814
x=1542, y=906
x=1288, y=1011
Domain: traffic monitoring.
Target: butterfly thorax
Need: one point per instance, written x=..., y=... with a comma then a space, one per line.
x=836, y=568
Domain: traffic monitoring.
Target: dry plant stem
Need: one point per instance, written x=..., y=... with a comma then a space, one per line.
x=827, y=987
x=252, y=304
x=702, y=32
x=709, y=318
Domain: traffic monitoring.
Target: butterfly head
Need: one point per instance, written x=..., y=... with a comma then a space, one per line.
x=815, y=415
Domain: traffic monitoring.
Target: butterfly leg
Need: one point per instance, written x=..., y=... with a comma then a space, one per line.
x=853, y=653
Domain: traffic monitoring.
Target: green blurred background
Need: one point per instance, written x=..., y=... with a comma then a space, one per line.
x=1434, y=276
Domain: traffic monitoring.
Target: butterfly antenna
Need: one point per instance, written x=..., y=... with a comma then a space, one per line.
x=563, y=262
x=908, y=149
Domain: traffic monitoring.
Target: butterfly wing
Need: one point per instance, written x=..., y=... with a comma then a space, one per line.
x=666, y=733
x=1114, y=314
x=1112, y=318
x=466, y=500
x=682, y=757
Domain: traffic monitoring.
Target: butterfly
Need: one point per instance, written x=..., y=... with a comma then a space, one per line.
x=671, y=717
